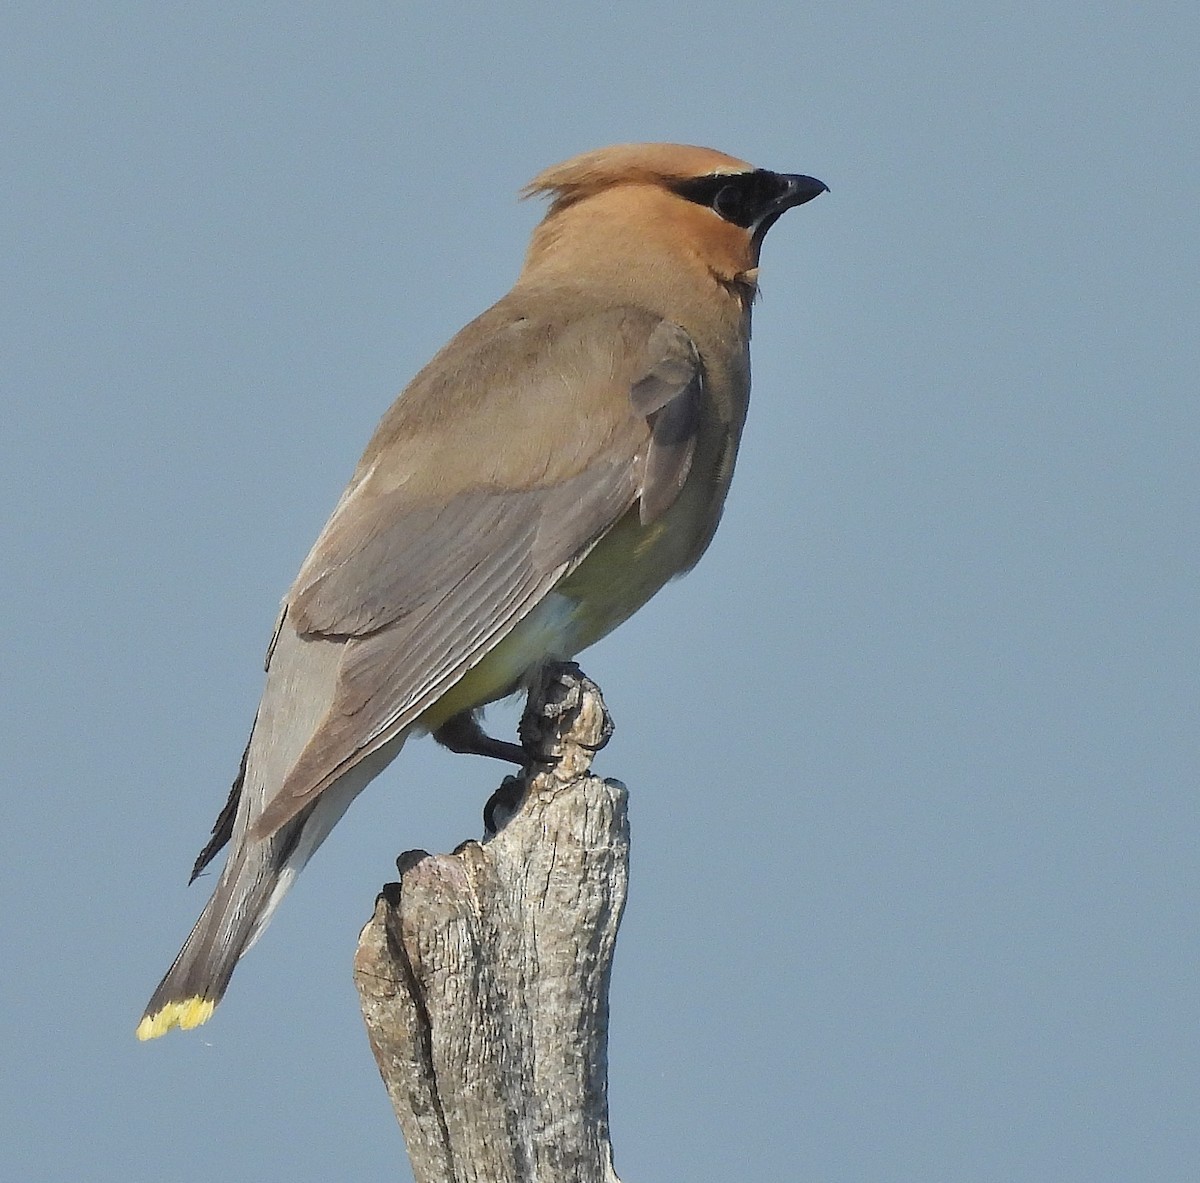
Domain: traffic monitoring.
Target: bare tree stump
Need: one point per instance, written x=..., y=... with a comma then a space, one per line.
x=484, y=974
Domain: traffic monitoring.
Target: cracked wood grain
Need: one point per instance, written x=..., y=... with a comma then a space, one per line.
x=483, y=974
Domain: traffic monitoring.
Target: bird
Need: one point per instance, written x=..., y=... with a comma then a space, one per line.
x=566, y=454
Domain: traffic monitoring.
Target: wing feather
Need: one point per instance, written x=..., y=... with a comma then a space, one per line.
x=669, y=395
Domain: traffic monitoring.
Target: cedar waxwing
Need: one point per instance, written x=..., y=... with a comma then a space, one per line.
x=551, y=468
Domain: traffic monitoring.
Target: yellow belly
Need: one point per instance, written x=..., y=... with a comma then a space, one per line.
x=547, y=632
x=625, y=568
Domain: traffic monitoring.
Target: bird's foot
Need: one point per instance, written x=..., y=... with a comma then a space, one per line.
x=462, y=733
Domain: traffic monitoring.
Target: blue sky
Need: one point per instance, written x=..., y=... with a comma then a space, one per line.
x=912, y=753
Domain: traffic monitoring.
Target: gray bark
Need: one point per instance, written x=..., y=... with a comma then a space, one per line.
x=483, y=974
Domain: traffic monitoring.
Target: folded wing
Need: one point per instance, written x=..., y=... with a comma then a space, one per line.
x=547, y=432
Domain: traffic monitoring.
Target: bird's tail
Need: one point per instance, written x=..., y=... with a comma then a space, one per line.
x=255, y=880
x=256, y=877
x=259, y=871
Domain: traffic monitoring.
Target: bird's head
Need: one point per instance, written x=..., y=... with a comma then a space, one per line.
x=634, y=202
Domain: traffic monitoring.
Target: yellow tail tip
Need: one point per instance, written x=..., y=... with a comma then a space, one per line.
x=185, y=1015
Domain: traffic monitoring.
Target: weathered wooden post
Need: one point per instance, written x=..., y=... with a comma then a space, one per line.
x=484, y=974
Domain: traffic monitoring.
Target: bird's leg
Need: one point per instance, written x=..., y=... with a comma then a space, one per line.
x=462, y=733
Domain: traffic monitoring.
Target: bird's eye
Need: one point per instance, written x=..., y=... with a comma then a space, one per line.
x=737, y=198
x=730, y=203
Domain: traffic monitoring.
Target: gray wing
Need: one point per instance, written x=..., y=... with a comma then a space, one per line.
x=438, y=549
x=668, y=395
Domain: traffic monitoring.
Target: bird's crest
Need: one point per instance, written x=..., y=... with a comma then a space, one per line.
x=646, y=164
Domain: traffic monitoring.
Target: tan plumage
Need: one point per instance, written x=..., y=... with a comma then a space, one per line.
x=560, y=459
